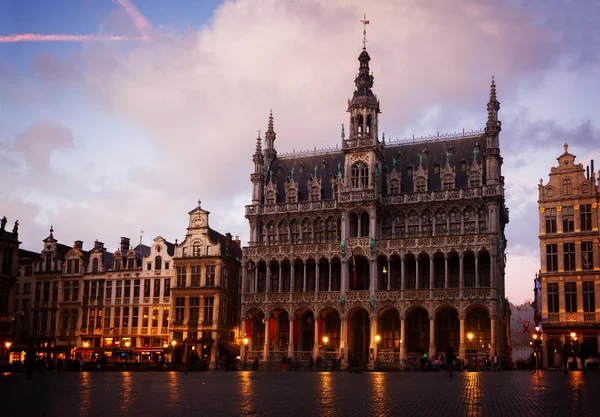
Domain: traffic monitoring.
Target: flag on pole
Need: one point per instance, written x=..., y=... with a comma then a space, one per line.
x=365, y=22
x=354, y=270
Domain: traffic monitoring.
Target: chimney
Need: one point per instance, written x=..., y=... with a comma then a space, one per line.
x=227, y=243
x=592, y=169
x=237, y=241
x=124, y=244
x=98, y=245
x=78, y=245
x=587, y=172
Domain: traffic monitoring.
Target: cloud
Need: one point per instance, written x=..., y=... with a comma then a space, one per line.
x=200, y=97
x=40, y=140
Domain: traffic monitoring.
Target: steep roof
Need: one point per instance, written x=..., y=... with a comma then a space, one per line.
x=23, y=253
x=329, y=161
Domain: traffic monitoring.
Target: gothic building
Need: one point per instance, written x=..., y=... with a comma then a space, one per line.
x=403, y=240
x=568, y=296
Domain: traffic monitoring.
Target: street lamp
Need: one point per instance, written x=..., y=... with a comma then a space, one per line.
x=377, y=340
x=470, y=337
x=127, y=344
x=325, y=341
x=245, y=352
x=8, y=345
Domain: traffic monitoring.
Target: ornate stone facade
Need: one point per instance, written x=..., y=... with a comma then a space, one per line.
x=400, y=239
x=568, y=296
x=9, y=252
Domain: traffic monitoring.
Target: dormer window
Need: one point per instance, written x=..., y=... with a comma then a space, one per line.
x=270, y=198
x=584, y=189
x=410, y=171
x=158, y=263
x=196, y=250
x=117, y=264
x=302, y=166
x=394, y=186
x=158, y=248
x=448, y=183
x=95, y=266
x=463, y=165
x=436, y=168
x=549, y=193
x=420, y=185
x=130, y=263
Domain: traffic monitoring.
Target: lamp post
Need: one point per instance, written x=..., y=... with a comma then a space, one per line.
x=245, y=353
x=325, y=341
x=377, y=340
x=470, y=337
x=8, y=345
x=574, y=348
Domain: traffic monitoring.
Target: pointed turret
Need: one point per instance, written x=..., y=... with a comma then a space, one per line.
x=257, y=178
x=364, y=106
x=270, y=152
x=493, y=161
x=493, y=107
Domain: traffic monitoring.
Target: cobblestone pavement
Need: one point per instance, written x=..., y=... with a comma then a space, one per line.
x=511, y=393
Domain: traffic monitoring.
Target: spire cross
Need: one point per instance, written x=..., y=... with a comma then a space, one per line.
x=365, y=22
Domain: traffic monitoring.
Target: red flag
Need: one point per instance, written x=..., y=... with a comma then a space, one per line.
x=354, y=270
x=365, y=22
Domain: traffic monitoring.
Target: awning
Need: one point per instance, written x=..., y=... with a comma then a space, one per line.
x=230, y=348
x=139, y=350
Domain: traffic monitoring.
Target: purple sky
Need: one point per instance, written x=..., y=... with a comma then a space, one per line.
x=103, y=137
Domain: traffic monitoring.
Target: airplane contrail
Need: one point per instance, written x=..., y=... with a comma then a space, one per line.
x=138, y=19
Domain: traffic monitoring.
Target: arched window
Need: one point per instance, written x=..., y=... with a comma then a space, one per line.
x=331, y=229
x=306, y=231
x=549, y=192
x=394, y=186
x=292, y=195
x=271, y=234
x=420, y=185
x=95, y=266
x=319, y=230
x=482, y=219
x=567, y=187
x=455, y=221
x=284, y=238
x=270, y=199
x=359, y=125
x=413, y=224
x=469, y=220
x=399, y=226
x=295, y=227
x=584, y=189
x=426, y=223
x=158, y=262
x=475, y=179
x=441, y=223
x=448, y=183
x=368, y=124
x=360, y=175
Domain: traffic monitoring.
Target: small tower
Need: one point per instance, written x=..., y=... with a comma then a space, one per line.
x=364, y=105
x=257, y=178
x=493, y=161
x=270, y=152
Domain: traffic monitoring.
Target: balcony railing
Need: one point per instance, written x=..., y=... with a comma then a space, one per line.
x=589, y=317
x=553, y=317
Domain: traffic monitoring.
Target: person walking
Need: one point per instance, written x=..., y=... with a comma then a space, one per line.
x=565, y=357
x=450, y=359
x=582, y=356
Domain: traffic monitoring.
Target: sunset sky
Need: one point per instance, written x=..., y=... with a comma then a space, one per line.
x=117, y=116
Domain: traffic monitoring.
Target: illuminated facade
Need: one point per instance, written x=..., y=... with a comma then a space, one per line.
x=401, y=239
x=568, y=299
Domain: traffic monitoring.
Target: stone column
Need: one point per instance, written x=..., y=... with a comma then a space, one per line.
x=373, y=276
x=344, y=276
x=244, y=278
x=243, y=334
x=266, y=348
x=373, y=344
x=580, y=314
x=292, y=275
x=268, y=278
x=402, y=340
x=329, y=277
x=304, y=276
x=279, y=279
x=417, y=286
x=493, y=271
x=561, y=302
x=317, y=275
x=344, y=340
x=290, y=352
x=316, y=339
x=431, y=273
x=431, y=336
x=461, y=345
x=494, y=324
x=256, y=279
x=446, y=275
x=402, y=274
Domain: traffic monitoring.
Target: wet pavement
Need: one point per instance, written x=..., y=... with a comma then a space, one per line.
x=90, y=394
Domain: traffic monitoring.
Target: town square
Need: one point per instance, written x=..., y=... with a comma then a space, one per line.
x=277, y=207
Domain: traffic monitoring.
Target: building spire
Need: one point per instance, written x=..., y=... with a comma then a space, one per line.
x=493, y=106
x=365, y=22
x=270, y=152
